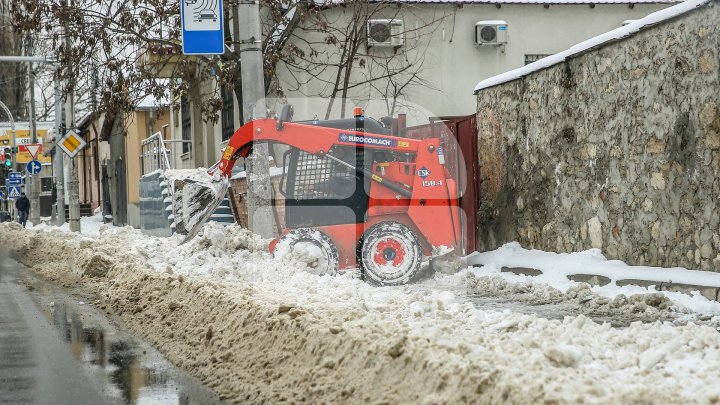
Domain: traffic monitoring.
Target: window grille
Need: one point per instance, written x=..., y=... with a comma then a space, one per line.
x=228, y=115
x=186, y=124
x=322, y=178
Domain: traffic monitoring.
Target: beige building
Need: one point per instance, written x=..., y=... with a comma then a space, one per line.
x=110, y=166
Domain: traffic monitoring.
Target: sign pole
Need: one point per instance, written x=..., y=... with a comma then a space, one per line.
x=34, y=180
x=248, y=38
x=73, y=183
x=59, y=156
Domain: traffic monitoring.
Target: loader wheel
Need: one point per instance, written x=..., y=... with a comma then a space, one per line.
x=389, y=254
x=312, y=247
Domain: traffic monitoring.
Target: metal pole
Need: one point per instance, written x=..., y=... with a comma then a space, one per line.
x=72, y=181
x=35, y=179
x=59, y=156
x=246, y=26
x=73, y=186
x=11, y=207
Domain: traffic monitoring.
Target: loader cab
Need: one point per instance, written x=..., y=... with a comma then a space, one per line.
x=319, y=191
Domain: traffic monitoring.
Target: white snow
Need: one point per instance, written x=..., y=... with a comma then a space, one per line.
x=520, y=1
x=616, y=34
x=90, y=226
x=589, y=262
x=556, y=267
x=569, y=360
x=199, y=175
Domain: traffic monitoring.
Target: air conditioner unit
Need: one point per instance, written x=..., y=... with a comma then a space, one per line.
x=385, y=33
x=492, y=32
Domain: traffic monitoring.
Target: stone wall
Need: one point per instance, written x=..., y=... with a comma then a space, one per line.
x=617, y=148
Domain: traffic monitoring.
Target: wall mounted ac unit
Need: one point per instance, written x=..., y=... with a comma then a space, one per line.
x=492, y=32
x=385, y=33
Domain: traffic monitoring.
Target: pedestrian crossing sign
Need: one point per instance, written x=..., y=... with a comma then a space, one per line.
x=14, y=191
x=72, y=143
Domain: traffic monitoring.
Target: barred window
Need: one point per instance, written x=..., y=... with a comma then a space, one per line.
x=228, y=114
x=186, y=124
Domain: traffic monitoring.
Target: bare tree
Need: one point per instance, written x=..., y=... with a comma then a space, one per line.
x=109, y=53
x=331, y=48
x=12, y=75
x=306, y=40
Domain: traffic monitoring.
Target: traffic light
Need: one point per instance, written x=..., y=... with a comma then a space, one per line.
x=8, y=158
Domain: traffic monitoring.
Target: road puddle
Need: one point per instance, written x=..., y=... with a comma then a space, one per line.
x=127, y=369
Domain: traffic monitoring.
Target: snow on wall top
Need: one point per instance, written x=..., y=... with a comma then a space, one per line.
x=539, y=1
x=610, y=36
x=336, y=2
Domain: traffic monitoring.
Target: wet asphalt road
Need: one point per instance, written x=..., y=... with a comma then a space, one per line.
x=57, y=349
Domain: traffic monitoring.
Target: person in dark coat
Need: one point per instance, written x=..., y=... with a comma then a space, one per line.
x=23, y=206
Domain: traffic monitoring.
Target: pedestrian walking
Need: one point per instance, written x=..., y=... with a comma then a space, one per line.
x=23, y=206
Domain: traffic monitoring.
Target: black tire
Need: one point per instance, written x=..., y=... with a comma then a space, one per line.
x=389, y=253
x=327, y=263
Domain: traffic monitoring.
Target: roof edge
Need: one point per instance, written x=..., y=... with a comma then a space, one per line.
x=606, y=38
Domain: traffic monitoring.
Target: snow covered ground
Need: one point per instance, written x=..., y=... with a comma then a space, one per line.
x=320, y=338
x=557, y=267
x=88, y=225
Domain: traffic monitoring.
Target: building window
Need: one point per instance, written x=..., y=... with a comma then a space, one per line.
x=530, y=58
x=185, y=123
x=228, y=115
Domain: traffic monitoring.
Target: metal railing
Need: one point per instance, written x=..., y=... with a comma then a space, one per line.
x=159, y=154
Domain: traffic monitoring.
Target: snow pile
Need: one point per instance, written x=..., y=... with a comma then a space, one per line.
x=257, y=329
x=620, y=310
x=88, y=225
x=556, y=267
x=222, y=252
x=198, y=175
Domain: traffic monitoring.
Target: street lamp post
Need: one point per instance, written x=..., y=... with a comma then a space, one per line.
x=12, y=142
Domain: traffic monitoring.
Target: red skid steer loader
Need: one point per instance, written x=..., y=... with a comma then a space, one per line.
x=354, y=195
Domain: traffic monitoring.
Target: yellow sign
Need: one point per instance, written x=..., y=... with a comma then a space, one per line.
x=72, y=143
x=22, y=137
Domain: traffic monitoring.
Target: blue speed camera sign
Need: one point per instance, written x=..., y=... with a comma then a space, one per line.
x=202, y=27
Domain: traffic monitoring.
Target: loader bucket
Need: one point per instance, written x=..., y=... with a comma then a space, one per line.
x=194, y=201
x=447, y=261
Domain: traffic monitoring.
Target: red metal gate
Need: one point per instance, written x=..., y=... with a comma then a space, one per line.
x=459, y=135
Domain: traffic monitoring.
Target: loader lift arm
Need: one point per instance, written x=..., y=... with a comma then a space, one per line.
x=312, y=139
x=193, y=202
